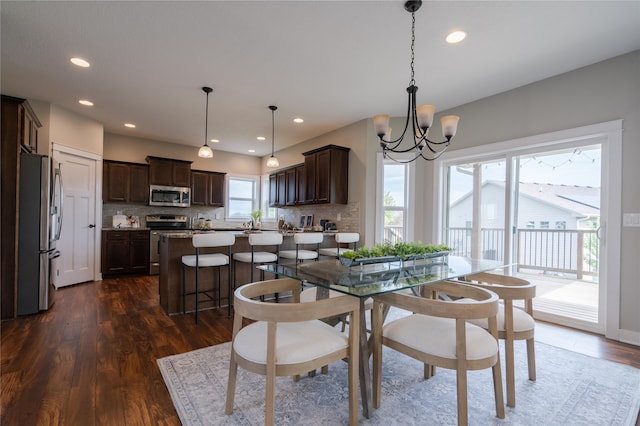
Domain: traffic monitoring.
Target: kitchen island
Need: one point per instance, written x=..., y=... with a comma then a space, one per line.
x=174, y=246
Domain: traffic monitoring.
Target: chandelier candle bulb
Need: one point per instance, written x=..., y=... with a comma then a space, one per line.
x=381, y=124
x=425, y=116
x=449, y=125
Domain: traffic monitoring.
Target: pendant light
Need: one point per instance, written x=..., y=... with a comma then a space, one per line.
x=273, y=161
x=419, y=118
x=205, y=151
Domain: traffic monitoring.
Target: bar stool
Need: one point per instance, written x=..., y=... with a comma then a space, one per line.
x=212, y=260
x=304, y=239
x=258, y=257
x=342, y=238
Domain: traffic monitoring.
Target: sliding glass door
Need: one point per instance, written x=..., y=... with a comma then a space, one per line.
x=539, y=210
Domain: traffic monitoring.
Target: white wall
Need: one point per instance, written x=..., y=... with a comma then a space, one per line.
x=135, y=150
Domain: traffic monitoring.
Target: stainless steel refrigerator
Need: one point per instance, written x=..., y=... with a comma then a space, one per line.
x=37, y=231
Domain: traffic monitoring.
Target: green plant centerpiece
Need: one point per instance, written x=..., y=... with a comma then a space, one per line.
x=393, y=252
x=255, y=219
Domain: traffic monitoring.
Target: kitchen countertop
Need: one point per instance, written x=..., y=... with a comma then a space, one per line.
x=128, y=228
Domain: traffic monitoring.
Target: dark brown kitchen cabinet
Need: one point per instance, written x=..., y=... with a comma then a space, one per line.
x=327, y=173
x=19, y=133
x=125, y=252
x=291, y=188
x=284, y=186
x=301, y=183
x=168, y=172
x=125, y=182
x=207, y=188
x=273, y=190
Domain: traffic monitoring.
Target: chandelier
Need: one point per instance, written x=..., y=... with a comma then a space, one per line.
x=205, y=151
x=273, y=161
x=420, y=117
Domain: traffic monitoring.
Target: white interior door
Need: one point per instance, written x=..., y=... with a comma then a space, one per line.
x=76, y=263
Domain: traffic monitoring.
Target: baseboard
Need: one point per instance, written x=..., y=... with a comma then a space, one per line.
x=630, y=337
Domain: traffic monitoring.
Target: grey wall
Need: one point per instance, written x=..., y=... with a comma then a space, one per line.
x=602, y=92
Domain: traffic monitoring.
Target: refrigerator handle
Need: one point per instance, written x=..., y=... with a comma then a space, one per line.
x=58, y=176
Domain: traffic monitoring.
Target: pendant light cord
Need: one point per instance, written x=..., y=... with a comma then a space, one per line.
x=206, y=121
x=273, y=130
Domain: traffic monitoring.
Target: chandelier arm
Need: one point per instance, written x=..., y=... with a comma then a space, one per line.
x=395, y=160
x=392, y=145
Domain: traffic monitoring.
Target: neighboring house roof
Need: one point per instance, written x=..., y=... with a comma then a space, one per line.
x=580, y=200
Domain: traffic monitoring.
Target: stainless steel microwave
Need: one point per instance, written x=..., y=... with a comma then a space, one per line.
x=169, y=196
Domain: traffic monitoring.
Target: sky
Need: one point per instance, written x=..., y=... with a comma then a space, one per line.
x=574, y=167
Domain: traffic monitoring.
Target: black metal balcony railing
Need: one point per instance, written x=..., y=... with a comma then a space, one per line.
x=573, y=252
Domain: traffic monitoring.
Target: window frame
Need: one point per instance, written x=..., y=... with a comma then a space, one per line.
x=255, y=199
x=409, y=197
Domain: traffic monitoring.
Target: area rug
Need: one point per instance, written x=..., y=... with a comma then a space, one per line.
x=571, y=389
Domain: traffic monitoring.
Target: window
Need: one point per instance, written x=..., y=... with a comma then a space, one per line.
x=243, y=197
x=267, y=212
x=561, y=224
x=531, y=224
x=394, y=221
x=544, y=224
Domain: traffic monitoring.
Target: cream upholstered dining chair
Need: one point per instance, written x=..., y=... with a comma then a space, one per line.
x=303, y=240
x=438, y=333
x=288, y=339
x=513, y=323
x=263, y=239
x=342, y=238
x=208, y=260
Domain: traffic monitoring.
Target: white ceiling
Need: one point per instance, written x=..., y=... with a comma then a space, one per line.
x=330, y=62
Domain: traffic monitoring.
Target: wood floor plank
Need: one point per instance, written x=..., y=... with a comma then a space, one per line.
x=91, y=359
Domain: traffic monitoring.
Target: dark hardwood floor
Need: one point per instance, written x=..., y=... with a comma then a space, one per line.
x=91, y=359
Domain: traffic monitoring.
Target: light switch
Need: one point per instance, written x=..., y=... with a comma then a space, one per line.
x=631, y=219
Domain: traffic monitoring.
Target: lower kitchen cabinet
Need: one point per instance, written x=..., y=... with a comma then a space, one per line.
x=125, y=252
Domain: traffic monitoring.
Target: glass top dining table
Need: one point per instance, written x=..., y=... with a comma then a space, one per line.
x=366, y=280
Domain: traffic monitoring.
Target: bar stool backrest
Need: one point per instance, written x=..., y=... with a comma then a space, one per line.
x=216, y=239
x=265, y=239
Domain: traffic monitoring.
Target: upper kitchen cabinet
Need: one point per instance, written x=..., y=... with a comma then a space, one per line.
x=327, y=172
x=125, y=182
x=168, y=172
x=284, y=186
x=21, y=121
x=207, y=188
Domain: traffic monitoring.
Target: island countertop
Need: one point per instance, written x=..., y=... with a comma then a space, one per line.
x=175, y=245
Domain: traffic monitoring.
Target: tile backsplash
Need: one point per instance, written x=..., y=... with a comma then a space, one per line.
x=346, y=217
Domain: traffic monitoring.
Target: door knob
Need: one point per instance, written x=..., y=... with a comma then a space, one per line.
x=92, y=226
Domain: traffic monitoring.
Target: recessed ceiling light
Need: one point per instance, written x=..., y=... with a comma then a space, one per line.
x=298, y=120
x=456, y=37
x=215, y=140
x=261, y=138
x=129, y=125
x=85, y=102
x=252, y=150
x=80, y=62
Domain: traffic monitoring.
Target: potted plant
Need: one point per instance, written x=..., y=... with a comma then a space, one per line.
x=389, y=253
x=255, y=218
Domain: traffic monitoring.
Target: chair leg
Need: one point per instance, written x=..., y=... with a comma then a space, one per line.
x=497, y=389
x=229, y=292
x=219, y=288
x=461, y=382
x=531, y=359
x=510, y=370
x=184, y=290
x=270, y=398
x=231, y=385
x=197, y=294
